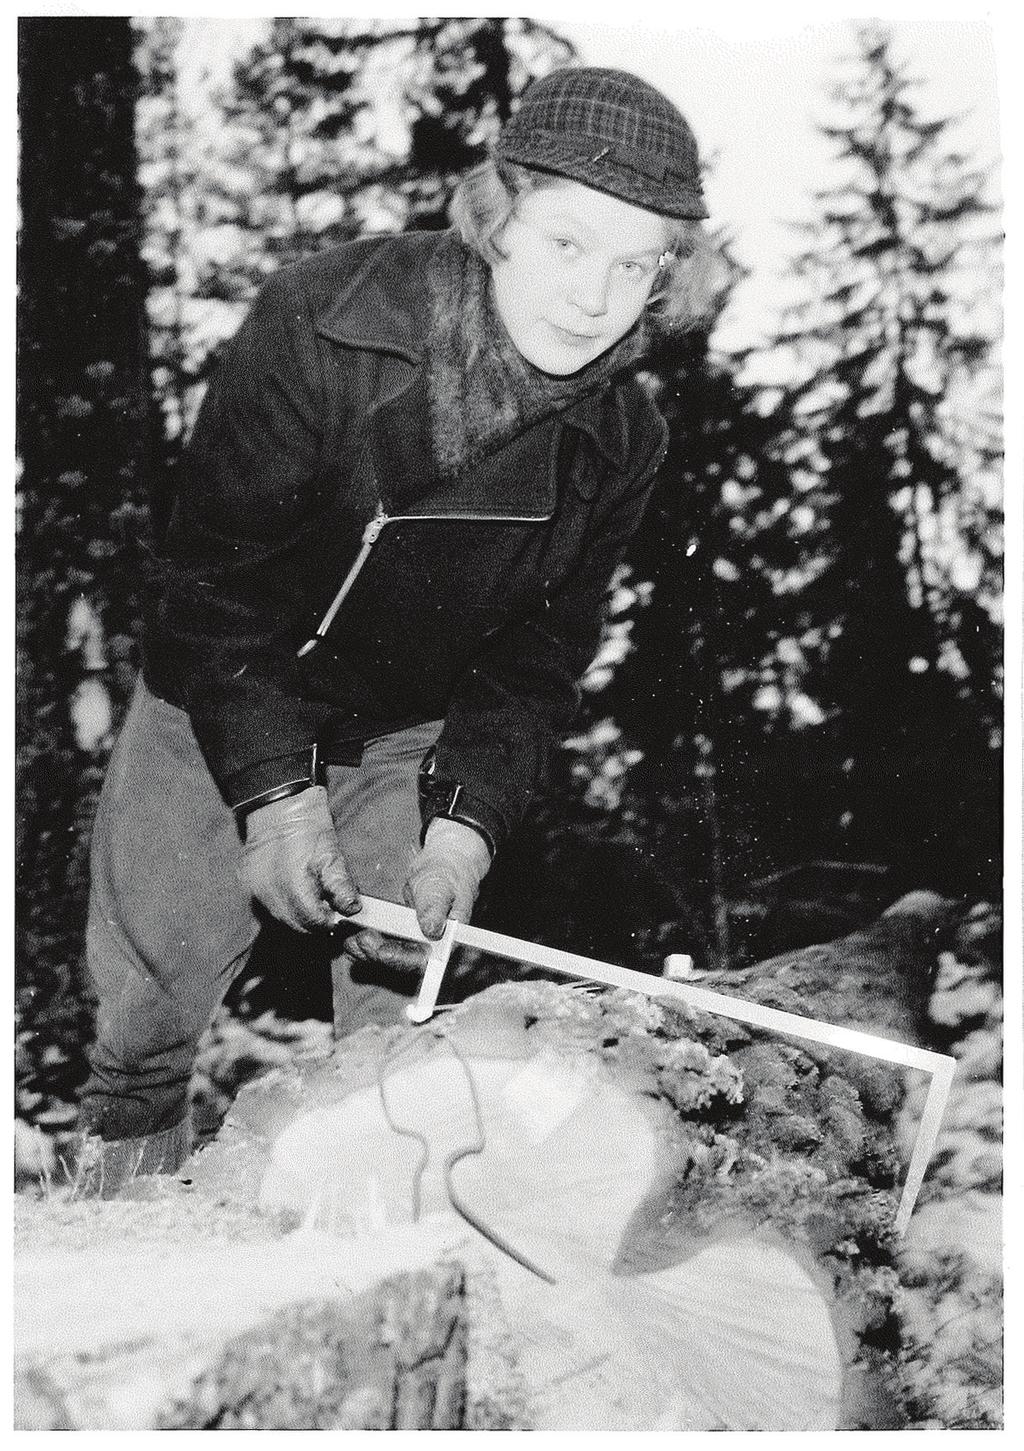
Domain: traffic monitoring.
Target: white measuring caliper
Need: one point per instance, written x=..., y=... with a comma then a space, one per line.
x=397, y=921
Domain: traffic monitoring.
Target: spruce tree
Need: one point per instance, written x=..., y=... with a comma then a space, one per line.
x=82, y=424
x=902, y=570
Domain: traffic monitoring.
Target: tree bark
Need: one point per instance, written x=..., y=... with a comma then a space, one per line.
x=394, y=1358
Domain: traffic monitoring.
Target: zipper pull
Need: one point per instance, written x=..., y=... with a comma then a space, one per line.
x=375, y=525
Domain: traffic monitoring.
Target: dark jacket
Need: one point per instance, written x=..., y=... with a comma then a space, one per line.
x=481, y=600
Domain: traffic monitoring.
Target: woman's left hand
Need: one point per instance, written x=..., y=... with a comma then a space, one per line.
x=443, y=883
x=446, y=873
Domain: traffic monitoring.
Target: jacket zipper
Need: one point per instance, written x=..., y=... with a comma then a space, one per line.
x=372, y=533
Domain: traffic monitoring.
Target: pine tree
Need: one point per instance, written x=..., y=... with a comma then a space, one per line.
x=894, y=364
x=291, y=146
x=82, y=441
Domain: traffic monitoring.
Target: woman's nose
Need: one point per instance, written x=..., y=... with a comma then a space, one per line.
x=590, y=289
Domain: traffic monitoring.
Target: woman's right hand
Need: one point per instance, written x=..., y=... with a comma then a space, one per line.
x=293, y=865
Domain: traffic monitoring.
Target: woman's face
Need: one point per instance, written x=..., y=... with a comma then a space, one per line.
x=578, y=270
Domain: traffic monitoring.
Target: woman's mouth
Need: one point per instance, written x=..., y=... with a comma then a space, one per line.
x=574, y=338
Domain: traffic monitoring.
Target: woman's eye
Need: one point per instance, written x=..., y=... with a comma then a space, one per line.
x=564, y=244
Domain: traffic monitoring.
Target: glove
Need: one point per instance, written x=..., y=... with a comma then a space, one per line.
x=446, y=873
x=443, y=882
x=292, y=863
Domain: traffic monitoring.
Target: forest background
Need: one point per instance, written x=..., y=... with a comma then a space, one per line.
x=796, y=712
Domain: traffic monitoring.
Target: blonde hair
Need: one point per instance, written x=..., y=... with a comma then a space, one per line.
x=684, y=294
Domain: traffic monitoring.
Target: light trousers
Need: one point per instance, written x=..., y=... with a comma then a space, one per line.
x=171, y=925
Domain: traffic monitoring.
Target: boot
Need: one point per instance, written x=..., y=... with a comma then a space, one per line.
x=104, y=1167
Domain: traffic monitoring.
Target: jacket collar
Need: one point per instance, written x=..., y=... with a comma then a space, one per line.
x=383, y=308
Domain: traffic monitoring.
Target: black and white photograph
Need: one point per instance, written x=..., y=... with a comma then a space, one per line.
x=516, y=722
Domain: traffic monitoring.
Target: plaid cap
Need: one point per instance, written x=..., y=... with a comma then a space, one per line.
x=609, y=130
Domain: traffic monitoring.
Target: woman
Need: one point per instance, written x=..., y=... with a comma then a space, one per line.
x=406, y=492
